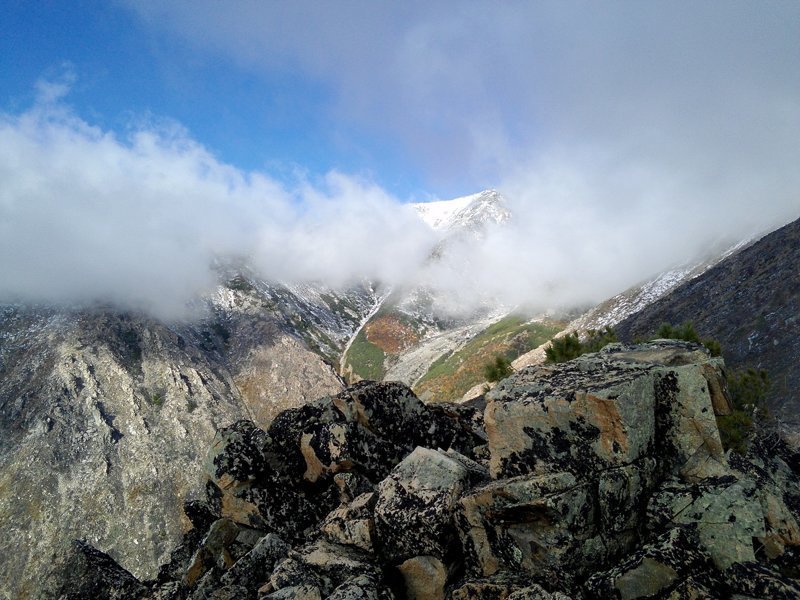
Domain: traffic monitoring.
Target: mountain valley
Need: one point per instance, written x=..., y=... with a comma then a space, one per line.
x=105, y=413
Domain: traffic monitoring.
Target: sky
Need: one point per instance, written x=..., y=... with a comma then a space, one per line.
x=140, y=140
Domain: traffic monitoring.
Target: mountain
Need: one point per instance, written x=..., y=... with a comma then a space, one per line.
x=103, y=414
x=750, y=303
x=407, y=339
x=636, y=298
x=469, y=213
x=603, y=477
x=103, y=410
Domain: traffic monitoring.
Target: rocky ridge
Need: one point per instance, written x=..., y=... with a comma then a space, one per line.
x=603, y=477
x=750, y=303
x=103, y=414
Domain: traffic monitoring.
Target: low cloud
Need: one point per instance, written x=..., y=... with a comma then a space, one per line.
x=87, y=215
x=139, y=222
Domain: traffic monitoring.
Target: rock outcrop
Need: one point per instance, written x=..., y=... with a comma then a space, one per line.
x=599, y=478
x=103, y=416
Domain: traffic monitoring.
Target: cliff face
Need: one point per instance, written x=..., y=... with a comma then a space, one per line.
x=103, y=416
x=749, y=302
x=599, y=478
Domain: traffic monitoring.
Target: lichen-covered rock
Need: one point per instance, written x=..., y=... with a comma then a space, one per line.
x=497, y=587
x=237, y=456
x=688, y=436
x=90, y=573
x=363, y=587
x=213, y=551
x=540, y=525
x=653, y=569
x=255, y=567
x=579, y=417
x=536, y=592
x=606, y=410
x=416, y=503
x=756, y=580
x=425, y=578
x=323, y=565
x=623, y=493
x=778, y=491
x=353, y=524
x=725, y=510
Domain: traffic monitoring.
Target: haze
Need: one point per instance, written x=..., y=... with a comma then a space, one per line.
x=628, y=137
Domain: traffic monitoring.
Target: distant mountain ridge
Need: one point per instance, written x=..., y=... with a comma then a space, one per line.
x=467, y=213
x=750, y=302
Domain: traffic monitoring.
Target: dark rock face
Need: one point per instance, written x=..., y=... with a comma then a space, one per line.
x=604, y=479
x=749, y=302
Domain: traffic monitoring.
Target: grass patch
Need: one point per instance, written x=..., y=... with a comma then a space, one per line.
x=364, y=358
x=450, y=376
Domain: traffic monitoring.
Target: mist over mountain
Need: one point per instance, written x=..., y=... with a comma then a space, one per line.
x=87, y=216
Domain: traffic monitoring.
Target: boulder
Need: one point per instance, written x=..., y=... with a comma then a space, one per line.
x=425, y=578
x=213, y=551
x=581, y=417
x=322, y=565
x=90, y=573
x=652, y=570
x=622, y=494
x=757, y=581
x=353, y=524
x=725, y=511
x=416, y=503
x=255, y=567
x=538, y=525
x=362, y=587
x=777, y=490
x=501, y=586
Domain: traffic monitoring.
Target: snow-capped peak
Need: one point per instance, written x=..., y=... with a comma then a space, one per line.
x=468, y=212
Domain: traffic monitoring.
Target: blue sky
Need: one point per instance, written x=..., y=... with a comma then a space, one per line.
x=125, y=72
x=160, y=136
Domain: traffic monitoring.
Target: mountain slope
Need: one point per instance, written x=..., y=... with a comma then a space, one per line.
x=103, y=414
x=750, y=302
x=406, y=332
x=469, y=213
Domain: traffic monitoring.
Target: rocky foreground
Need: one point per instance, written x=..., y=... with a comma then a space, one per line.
x=603, y=478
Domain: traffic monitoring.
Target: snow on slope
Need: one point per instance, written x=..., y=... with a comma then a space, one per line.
x=466, y=213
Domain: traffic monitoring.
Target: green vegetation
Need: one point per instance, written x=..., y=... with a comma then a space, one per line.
x=450, y=376
x=498, y=369
x=748, y=391
x=687, y=333
x=365, y=358
x=156, y=398
x=191, y=404
x=570, y=346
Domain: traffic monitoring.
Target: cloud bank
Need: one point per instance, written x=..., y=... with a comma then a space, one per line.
x=139, y=222
x=628, y=138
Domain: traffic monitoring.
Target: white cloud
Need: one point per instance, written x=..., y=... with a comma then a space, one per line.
x=86, y=216
x=628, y=137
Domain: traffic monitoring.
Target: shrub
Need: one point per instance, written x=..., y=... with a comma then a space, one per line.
x=498, y=369
x=748, y=391
x=597, y=339
x=688, y=333
x=570, y=346
x=563, y=349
